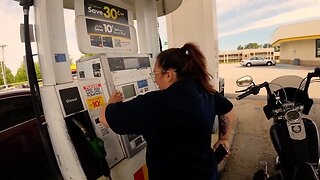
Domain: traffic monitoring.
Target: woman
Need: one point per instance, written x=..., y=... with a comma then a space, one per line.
x=176, y=121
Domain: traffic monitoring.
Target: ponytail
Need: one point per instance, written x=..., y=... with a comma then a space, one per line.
x=188, y=61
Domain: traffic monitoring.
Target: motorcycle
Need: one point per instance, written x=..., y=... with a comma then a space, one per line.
x=293, y=135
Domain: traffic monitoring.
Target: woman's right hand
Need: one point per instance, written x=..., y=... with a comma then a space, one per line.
x=115, y=97
x=225, y=143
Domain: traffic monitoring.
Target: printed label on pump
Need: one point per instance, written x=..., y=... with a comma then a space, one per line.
x=98, y=27
x=101, y=36
x=94, y=96
x=105, y=11
x=95, y=102
x=92, y=90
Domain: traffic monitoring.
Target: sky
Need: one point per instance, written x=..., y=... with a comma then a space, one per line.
x=239, y=22
x=244, y=21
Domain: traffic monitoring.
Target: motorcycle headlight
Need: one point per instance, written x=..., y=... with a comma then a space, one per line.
x=292, y=115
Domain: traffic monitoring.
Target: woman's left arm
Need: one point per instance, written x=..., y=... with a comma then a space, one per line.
x=116, y=97
x=225, y=130
x=102, y=116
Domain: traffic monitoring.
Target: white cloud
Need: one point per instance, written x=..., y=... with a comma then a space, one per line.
x=225, y=6
x=266, y=10
x=296, y=15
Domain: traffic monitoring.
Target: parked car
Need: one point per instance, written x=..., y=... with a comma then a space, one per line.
x=22, y=152
x=256, y=60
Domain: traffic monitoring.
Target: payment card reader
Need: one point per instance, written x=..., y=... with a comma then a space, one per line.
x=127, y=73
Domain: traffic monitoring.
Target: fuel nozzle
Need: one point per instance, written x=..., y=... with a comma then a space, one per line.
x=26, y=3
x=96, y=147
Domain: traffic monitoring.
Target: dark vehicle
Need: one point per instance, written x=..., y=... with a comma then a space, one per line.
x=293, y=134
x=22, y=153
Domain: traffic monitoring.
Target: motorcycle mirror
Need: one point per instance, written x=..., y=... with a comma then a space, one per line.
x=244, y=81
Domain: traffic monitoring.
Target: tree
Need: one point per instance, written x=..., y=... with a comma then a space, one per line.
x=256, y=46
x=277, y=49
x=22, y=73
x=37, y=67
x=87, y=55
x=266, y=45
x=9, y=76
x=240, y=47
x=252, y=46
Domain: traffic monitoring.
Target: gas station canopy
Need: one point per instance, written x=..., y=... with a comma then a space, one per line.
x=164, y=7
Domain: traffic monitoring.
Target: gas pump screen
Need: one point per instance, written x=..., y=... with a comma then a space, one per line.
x=131, y=63
x=128, y=91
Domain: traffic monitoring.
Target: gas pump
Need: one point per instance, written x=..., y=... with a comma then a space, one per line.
x=117, y=66
x=87, y=146
x=83, y=148
x=129, y=74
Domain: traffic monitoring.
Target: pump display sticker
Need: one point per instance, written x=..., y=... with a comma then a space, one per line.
x=96, y=70
x=92, y=90
x=60, y=58
x=95, y=102
x=97, y=27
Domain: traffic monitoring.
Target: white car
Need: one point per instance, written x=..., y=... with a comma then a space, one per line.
x=256, y=60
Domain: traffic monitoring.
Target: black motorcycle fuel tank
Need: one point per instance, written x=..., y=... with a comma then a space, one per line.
x=292, y=152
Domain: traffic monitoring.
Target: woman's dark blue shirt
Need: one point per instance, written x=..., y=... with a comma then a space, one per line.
x=177, y=123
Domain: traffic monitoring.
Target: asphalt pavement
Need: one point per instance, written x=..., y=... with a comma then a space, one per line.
x=251, y=144
x=260, y=74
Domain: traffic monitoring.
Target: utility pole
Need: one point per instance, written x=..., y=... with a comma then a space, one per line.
x=3, y=67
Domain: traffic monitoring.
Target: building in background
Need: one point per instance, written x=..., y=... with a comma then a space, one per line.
x=238, y=55
x=299, y=43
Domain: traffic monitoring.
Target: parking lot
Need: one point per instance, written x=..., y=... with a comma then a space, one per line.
x=260, y=74
x=251, y=141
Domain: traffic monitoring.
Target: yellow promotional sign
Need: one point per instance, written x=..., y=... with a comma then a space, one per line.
x=95, y=102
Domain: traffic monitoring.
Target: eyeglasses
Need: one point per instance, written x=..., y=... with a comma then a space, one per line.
x=153, y=74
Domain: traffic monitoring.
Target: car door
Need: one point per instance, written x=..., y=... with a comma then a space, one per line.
x=22, y=152
x=260, y=61
x=253, y=61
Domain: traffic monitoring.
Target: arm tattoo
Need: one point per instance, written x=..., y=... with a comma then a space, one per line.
x=224, y=123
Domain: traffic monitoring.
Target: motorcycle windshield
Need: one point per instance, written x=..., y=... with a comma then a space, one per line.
x=287, y=81
x=289, y=88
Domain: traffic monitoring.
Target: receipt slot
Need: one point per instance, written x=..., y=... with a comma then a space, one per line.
x=129, y=74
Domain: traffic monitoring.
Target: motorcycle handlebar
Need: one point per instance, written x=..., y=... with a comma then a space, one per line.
x=310, y=75
x=253, y=90
x=241, y=96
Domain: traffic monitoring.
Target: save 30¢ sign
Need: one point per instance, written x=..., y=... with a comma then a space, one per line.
x=105, y=11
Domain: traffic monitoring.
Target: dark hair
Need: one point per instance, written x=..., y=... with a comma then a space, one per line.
x=188, y=61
